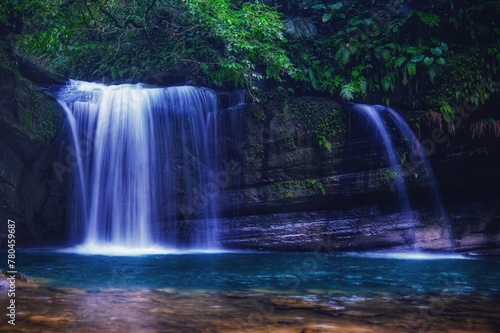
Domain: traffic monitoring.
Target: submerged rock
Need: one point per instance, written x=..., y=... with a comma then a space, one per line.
x=6, y=279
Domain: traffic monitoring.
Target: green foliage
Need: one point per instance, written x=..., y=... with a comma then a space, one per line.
x=297, y=188
x=387, y=48
x=347, y=91
x=322, y=116
x=315, y=185
x=251, y=35
x=210, y=40
x=447, y=110
x=430, y=20
x=349, y=49
x=466, y=77
x=260, y=116
x=25, y=17
x=324, y=142
x=404, y=157
x=386, y=176
x=330, y=11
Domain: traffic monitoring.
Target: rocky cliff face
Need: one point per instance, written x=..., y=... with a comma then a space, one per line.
x=299, y=173
x=291, y=191
x=32, y=186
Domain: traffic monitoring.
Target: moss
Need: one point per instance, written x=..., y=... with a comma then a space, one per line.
x=321, y=115
x=467, y=75
x=37, y=113
x=23, y=104
x=27, y=117
x=264, y=96
x=387, y=176
x=260, y=116
x=297, y=188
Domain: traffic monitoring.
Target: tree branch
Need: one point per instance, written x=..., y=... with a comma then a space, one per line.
x=108, y=14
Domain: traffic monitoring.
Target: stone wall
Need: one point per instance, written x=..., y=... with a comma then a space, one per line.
x=289, y=192
x=32, y=193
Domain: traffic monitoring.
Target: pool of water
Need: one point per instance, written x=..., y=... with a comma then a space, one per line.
x=256, y=292
x=243, y=271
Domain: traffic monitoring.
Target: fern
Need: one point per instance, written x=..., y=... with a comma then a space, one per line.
x=363, y=85
x=387, y=83
x=347, y=91
x=430, y=20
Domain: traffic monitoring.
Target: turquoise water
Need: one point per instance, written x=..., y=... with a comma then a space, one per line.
x=351, y=273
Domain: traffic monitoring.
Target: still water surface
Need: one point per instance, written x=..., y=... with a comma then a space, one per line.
x=242, y=271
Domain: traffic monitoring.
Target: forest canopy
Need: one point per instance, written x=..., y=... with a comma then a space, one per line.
x=423, y=53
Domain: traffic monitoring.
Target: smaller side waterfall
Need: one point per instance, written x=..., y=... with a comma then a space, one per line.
x=374, y=117
x=378, y=118
x=418, y=160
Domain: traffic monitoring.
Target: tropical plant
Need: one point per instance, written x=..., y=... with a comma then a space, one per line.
x=390, y=51
x=386, y=176
x=209, y=40
x=387, y=48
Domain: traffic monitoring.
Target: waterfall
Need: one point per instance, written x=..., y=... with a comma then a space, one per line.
x=418, y=158
x=145, y=158
x=417, y=166
x=375, y=119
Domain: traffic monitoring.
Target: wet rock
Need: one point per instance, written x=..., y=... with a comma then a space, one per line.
x=5, y=281
x=33, y=170
x=292, y=194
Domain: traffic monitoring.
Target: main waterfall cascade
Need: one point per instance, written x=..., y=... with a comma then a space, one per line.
x=141, y=153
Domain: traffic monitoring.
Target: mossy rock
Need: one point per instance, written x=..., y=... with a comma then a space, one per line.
x=26, y=107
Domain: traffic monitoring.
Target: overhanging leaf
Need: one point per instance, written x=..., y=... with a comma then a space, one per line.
x=323, y=142
x=428, y=61
x=400, y=61
x=417, y=58
x=411, y=50
x=336, y=6
x=387, y=83
x=411, y=68
x=436, y=51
